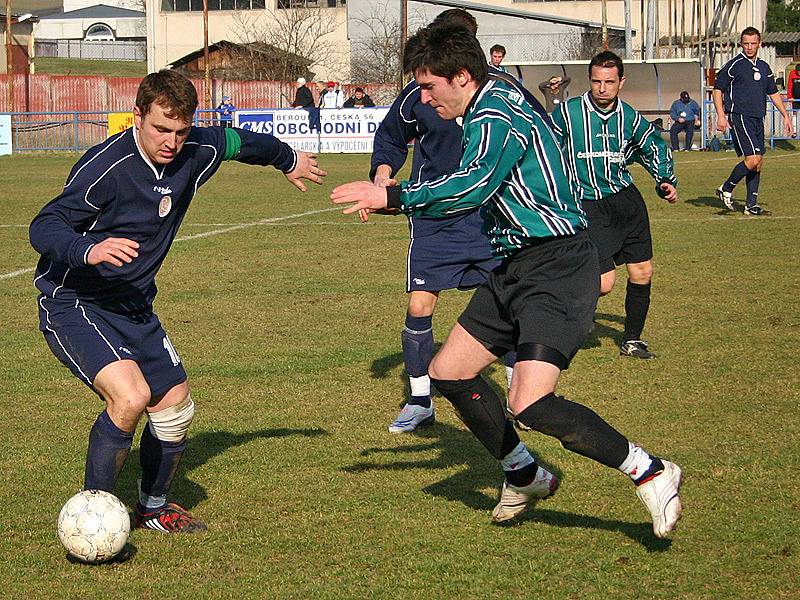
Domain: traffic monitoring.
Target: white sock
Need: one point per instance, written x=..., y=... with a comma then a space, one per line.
x=420, y=386
x=636, y=463
x=516, y=459
x=509, y=374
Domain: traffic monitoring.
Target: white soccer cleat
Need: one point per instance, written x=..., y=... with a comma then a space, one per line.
x=515, y=500
x=660, y=497
x=411, y=417
x=726, y=198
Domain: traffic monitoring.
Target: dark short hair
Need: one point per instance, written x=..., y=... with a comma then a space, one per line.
x=497, y=48
x=456, y=16
x=750, y=31
x=443, y=51
x=360, y=89
x=607, y=60
x=170, y=90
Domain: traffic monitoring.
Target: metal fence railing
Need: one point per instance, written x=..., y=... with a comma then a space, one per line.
x=97, y=50
x=773, y=124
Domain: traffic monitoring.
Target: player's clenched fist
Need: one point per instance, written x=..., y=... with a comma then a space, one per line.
x=113, y=251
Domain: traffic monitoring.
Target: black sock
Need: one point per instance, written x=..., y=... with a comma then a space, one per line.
x=159, y=462
x=578, y=428
x=522, y=477
x=753, y=179
x=108, y=449
x=735, y=177
x=637, y=303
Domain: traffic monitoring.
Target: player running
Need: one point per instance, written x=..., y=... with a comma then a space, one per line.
x=102, y=241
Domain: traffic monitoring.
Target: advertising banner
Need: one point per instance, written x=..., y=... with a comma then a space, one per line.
x=5, y=134
x=346, y=130
x=119, y=122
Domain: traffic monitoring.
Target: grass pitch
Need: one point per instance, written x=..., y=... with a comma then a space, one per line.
x=289, y=327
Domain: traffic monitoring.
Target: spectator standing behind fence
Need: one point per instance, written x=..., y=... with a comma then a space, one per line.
x=793, y=87
x=304, y=99
x=332, y=97
x=685, y=114
x=496, y=55
x=555, y=91
x=225, y=111
x=359, y=99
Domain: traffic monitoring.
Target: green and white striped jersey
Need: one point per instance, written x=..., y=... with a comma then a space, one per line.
x=600, y=145
x=511, y=167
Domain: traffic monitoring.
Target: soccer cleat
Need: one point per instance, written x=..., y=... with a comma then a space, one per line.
x=170, y=518
x=637, y=349
x=659, y=495
x=411, y=417
x=726, y=198
x=515, y=500
x=756, y=211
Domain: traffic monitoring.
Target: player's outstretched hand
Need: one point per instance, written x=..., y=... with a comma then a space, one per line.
x=722, y=123
x=670, y=194
x=113, y=251
x=306, y=168
x=363, y=195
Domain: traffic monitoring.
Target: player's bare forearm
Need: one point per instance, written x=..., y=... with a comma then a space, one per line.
x=722, y=119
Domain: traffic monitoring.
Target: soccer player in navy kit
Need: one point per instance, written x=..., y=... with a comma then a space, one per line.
x=540, y=300
x=444, y=253
x=102, y=241
x=740, y=97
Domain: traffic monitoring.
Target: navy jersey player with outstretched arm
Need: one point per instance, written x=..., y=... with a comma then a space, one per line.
x=102, y=241
x=444, y=253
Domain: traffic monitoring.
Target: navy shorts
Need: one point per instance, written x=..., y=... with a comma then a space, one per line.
x=747, y=133
x=540, y=302
x=453, y=255
x=620, y=228
x=86, y=338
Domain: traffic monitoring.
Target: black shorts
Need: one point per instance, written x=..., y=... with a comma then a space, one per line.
x=87, y=338
x=540, y=302
x=620, y=228
x=747, y=133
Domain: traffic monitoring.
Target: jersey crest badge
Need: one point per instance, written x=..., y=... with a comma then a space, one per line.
x=756, y=75
x=164, y=206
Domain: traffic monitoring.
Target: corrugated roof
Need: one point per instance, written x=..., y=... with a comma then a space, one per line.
x=780, y=37
x=98, y=11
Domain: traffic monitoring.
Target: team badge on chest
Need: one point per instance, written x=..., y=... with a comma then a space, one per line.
x=756, y=75
x=164, y=206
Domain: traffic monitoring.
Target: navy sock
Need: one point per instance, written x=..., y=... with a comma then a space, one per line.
x=637, y=303
x=522, y=477
x=418, y=352
x=159, y=462
x=753, y=179
x=735, y=177
x=656, y=466
x=510, y=358
x=108, y=449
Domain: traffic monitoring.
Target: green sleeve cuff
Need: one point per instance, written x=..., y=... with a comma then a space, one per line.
x=233, y=144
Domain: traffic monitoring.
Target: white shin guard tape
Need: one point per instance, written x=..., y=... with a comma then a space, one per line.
x=172, y=424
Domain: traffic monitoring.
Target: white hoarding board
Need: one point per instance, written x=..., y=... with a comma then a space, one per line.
x=5, y=134
x=345, y=130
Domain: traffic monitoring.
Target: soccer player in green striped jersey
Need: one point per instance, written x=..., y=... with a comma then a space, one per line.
x=539, y=301
x=600, y=135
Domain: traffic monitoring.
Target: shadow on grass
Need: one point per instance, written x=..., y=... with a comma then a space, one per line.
x=202, y=448
x=457, y=447
x=602, y=330
x=712, y=202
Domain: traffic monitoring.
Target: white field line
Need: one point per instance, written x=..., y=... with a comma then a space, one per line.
x=733, y=156
x=226, y=228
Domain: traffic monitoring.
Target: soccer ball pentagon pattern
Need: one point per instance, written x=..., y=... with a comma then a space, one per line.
x=93, y=526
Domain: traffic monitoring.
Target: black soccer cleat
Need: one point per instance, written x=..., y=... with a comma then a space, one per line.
x=637, y=349
x=756, y=211
x=170, y=518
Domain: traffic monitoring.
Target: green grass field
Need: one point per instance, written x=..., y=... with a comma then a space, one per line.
x=289, y=326
x=83, y=66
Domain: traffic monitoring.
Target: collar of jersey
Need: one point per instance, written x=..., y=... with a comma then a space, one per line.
x=603, y=114
x=478, y=94
x=146, y=160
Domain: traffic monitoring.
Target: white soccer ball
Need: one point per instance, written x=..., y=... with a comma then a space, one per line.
x=93, y=526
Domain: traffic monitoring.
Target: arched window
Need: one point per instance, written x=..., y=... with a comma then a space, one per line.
x=99, y=32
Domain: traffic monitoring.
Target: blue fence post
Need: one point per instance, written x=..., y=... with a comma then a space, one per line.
x=75, y=125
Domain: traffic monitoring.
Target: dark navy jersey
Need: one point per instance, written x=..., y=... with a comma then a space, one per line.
x=114, y=190
x=437, y=149
x=745, y=85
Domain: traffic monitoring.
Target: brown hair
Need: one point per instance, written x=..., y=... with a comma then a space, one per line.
x=170, y=90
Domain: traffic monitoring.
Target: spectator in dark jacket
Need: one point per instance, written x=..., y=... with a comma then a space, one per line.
x=304, y=99
x=359, y=100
